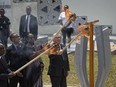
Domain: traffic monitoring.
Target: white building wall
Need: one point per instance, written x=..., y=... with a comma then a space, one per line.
x=103, y=10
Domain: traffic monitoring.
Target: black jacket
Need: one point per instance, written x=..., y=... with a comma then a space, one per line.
x=14, y=57
x=59, y=64
x=34, y=70
x=4, y=70
x=4, y=29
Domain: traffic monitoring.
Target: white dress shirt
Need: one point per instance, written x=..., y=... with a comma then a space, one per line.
x=28, y=22
x=63, y=18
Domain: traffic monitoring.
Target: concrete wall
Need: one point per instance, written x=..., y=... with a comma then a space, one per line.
x=94, y=9
x=19, y=9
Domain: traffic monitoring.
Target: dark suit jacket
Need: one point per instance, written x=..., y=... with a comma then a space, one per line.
x=14, y=57
x=34, y=70
x=33, y=26
x=4, y=70
x=59, y=64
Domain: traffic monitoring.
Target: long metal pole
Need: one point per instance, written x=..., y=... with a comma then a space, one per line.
x=91, y=59
x=30, y=62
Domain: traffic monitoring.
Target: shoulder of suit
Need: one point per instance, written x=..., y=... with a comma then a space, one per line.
x=6, y=17
x=22, y=45
x=33, y=16
x=10, y=47
x=23, y=16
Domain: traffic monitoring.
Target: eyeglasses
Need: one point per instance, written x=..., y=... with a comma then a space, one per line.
x=58, y=37
x=30, y=37
x=15, y=37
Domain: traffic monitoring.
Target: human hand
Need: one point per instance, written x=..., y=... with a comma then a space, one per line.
x=12, y=74
x=60, y=52
x=19, y=74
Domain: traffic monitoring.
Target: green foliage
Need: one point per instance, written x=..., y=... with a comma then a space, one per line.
x=111, y=80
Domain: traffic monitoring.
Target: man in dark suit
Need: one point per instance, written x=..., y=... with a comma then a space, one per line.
x=28, y=24
x=59, y=64
x=5, y=72
x=15, y=59
x=34, y=70
x=4, y=27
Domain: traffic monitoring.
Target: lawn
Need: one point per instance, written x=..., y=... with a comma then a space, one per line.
x=72, y=78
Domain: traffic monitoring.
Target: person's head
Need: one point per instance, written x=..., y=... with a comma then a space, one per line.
x=57, y=39
x=28, y=10
x=15, y=38
x=30, y=38
x=2, y=12
x=66, y=7
x=2, y=49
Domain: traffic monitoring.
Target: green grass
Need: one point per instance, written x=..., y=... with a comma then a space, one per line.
x=72, y=78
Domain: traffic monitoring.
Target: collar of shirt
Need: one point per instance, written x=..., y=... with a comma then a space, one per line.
x=15, y=45
x=27, y=16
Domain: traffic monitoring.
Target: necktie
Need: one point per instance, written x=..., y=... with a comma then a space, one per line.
x=26, y=22
x=17, y=49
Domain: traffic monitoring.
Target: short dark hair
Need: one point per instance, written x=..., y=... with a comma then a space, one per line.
x=30, y=34
x=28, y=7
x=66, y=6
x=13, y=35
x=1, y=46
x=2, y=10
